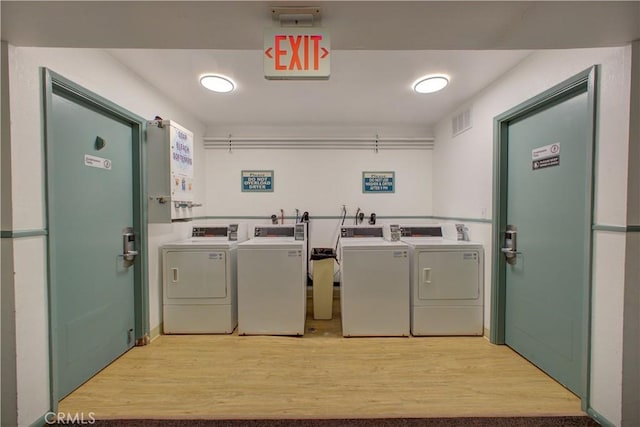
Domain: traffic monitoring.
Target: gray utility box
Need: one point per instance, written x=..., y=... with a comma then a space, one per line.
x=170, y=174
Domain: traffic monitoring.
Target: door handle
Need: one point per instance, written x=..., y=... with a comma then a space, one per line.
x=426, y=276
x=510, y=249
x=128, y=246
x=174, y=273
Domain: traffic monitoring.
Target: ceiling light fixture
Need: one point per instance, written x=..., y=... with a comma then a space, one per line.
x=430, y=84
x=217, y=83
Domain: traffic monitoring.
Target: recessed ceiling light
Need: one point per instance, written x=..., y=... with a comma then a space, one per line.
x=430, y=84
x=217, y=83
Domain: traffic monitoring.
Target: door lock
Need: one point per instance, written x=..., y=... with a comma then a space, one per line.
x=510, y=245
x=128, y=246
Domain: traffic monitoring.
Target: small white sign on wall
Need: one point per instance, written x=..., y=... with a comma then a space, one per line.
x=97, y=162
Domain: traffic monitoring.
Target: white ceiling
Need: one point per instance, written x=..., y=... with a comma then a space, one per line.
x=366, y=87
x=378, y=49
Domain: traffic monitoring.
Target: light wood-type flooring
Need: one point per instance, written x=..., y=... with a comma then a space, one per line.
x=320, y=375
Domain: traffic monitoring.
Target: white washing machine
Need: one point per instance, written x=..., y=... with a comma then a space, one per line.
x=199, y=281
x=447, y=283
x=374, y=288
x=272, y=281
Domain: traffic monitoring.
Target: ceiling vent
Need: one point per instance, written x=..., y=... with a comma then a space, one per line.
x=461, y=122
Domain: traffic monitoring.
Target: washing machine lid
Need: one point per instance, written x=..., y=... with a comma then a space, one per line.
x=370, y=243
x=430, y=243
x=272, y=243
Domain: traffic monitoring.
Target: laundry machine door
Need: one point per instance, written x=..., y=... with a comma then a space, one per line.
x=195, y=274
x=375, y=292
x=271, y=291
x=447, y=275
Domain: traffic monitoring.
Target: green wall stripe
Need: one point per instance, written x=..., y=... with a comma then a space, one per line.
x=599, y=418
x=604, y=227
x=616, y=228
x=477, y=220
x=454, y=218
x=9, y=234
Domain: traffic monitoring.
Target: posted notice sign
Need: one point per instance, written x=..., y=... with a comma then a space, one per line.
x=378, y=182
x=297, y=54
x=257, y=181
x=545, y=157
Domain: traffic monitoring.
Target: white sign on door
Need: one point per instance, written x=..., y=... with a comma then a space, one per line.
x=545, y=157
x=546, y=151
x=97, y=162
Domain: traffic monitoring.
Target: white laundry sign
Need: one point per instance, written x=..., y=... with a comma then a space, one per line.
x=97, y=162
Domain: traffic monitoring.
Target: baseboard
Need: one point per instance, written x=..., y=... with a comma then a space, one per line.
x=43, y=420
x=156, y=332
x=599, y=418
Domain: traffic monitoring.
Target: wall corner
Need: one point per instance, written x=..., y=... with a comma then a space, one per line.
x=9, y=410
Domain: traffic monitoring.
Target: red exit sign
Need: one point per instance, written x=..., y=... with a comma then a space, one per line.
x=297, y=53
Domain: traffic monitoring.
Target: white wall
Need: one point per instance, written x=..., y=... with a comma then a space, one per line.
x=8, y=410
x=100, y=73
x=631, y=337
x=463, y=167
x=319, y=181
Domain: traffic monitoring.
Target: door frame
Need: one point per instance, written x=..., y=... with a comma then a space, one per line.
x=584, y=82
x=53, y=83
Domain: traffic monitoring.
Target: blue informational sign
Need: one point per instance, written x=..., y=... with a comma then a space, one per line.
x=257, y=181
x=378, y=182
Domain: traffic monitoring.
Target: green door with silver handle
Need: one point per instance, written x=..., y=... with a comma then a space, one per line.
x=92, y=245
x=545, y=236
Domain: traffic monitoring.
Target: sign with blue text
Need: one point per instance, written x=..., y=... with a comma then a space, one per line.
x=257, y=181
x=378, y=182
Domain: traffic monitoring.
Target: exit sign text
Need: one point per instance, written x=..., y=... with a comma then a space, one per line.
x=295, y=53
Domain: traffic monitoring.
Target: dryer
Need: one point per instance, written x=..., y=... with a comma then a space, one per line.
x=447, y=283
x=199, y=281
x=272, y=281
x=374, y=288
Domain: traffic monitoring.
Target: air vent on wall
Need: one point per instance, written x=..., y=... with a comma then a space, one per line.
x=461, y=122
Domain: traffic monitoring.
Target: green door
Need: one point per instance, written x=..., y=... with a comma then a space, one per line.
x=90, y=204
x=548, y=205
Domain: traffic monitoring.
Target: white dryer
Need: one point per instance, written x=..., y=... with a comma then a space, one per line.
x=374, y=288
x=199, y=281
x=272, y=281
x=447, y=283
